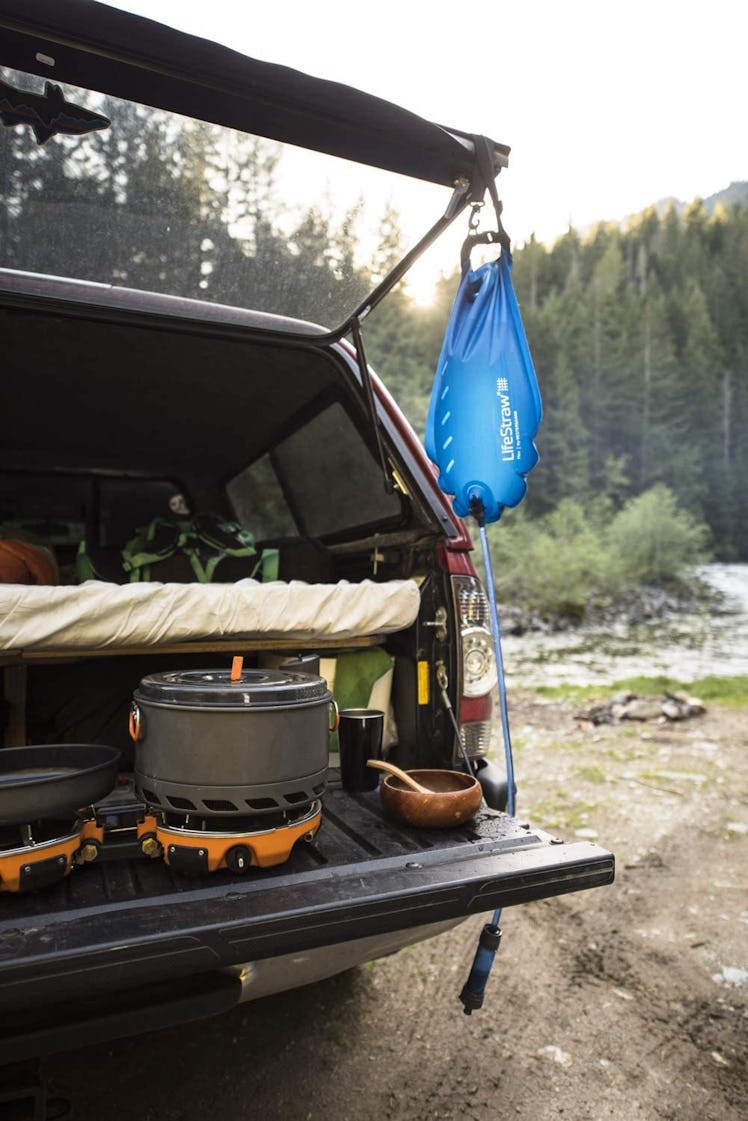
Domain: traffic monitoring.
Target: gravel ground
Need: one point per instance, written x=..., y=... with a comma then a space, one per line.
x=627, y=1003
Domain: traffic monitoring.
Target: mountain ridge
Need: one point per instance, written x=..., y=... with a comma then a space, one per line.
x=735, y=194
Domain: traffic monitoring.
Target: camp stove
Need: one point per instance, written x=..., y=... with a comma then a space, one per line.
x=195, y=846
x=40, y=854
x=37, y=854
x=42, y=790
x=62, y=806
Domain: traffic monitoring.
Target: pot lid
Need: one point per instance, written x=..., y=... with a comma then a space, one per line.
x=207, y=688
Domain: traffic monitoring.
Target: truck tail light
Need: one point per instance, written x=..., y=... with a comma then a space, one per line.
x=478, y=673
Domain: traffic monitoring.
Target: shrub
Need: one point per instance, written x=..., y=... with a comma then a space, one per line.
x=652, y=540
x=555, y=563
x=561, y=562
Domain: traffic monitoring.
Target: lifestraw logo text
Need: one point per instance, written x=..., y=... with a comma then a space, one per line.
x=506, y=428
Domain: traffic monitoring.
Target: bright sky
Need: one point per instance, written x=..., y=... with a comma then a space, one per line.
x=608, y=106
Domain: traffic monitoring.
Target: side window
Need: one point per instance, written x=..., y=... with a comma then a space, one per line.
x=332, y=479
x=321, y=481
x=258, y=503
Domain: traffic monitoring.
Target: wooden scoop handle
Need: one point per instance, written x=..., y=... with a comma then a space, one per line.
x=391, y=769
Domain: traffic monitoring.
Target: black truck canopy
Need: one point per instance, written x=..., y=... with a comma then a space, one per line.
x=101, y=48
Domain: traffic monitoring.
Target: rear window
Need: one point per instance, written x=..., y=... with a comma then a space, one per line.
x=163, y=203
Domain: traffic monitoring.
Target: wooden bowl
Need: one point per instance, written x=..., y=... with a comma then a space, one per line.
x=455, y=799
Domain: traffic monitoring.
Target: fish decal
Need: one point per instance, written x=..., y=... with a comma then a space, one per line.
x=48, y=113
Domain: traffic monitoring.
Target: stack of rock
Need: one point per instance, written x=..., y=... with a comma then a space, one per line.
x=632, y=706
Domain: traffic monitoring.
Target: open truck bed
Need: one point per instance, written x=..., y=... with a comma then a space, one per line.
x=136, y=390
x=165, y=942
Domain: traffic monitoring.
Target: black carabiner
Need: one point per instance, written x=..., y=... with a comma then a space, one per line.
x=488, y=237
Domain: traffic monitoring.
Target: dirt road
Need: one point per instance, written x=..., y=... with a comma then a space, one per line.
x=627, y=1003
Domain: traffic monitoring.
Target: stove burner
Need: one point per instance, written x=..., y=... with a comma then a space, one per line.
x=194, y=847
x=37, y=855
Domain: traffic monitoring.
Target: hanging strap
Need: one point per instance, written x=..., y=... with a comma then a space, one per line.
x=486, y=176
x=484, y=179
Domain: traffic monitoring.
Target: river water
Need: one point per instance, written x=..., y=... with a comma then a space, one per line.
x=683, y=647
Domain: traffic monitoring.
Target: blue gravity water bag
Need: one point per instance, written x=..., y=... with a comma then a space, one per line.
x=484, y=413
x=485, y=404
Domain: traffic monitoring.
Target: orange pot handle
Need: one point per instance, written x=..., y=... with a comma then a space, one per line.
x=133, y=723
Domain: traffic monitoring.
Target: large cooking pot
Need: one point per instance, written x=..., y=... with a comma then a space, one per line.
x=213, y=746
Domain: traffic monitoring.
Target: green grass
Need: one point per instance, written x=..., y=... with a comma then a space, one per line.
x=732, y=692
x=592, y=774
x=561, y=812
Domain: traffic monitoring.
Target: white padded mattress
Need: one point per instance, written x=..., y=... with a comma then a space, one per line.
x=99, y=616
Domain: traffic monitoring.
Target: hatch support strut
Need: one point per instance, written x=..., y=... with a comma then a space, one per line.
x=371, y=406
x=461, y=195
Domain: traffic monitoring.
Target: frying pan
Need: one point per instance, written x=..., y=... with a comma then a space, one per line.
x=53, y=780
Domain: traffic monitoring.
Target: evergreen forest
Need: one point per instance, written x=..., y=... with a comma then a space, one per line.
x=639, y=333
x=639, y=337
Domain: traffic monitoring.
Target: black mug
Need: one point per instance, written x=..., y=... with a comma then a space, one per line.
x=360, y=735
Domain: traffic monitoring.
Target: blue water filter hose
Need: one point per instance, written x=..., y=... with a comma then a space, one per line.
x=484, y=413
x=473, y=990
x=503, y=706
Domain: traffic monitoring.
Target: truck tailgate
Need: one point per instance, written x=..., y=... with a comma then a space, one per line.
x=115, y=925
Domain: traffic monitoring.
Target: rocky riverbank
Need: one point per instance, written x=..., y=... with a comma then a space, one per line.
x=683, y=634
x=637, y=607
